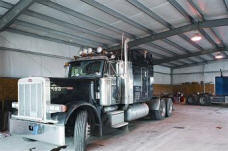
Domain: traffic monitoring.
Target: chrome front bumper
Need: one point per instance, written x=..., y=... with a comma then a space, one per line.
x=50, y=133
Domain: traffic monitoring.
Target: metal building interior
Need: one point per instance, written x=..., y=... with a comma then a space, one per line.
x=187, y=38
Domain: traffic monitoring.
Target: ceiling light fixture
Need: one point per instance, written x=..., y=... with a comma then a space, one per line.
x=196, y=37
x=219, y=56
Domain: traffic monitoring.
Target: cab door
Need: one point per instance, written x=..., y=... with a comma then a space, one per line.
x=145, y=82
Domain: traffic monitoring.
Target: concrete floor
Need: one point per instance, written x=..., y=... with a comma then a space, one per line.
x=190, y=128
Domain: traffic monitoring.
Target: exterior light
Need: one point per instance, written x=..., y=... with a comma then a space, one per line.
x=80, y=53
x=113, y=56
x=85, y=51
x=15, y=105
x=90, y=50
x=196, y=37
x=99, y=49
x=219, y=56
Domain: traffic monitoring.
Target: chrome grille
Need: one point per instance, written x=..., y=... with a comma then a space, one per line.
x=31, y=105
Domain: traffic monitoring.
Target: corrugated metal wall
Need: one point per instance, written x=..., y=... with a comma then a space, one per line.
x=16, y=64
x=206, y=73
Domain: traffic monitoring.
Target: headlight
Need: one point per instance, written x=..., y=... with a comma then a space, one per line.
x=15, y=105
x=54, y=108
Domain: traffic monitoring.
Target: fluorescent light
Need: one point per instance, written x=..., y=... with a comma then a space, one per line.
x=219, y=56
x=196, y=37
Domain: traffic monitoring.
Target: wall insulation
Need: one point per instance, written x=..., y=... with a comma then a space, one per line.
x=162, y=75
x=16, y=64
x=206, y=73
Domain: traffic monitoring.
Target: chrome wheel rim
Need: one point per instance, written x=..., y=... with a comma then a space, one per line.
x=170, y=108
x=163, y=111
x=201, y=101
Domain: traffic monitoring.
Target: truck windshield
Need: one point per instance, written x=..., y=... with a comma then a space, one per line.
x=86, y=68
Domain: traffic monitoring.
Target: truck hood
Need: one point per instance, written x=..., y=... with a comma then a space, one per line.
x=66, y=90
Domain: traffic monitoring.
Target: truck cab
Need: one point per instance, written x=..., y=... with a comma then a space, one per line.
x=103, y=89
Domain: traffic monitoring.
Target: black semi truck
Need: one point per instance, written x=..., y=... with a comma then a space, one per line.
x=103, y=89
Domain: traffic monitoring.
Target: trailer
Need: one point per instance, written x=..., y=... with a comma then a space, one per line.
x=103, y=89
x=220, y=97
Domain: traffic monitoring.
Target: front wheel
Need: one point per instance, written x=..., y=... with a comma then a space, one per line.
x=161, y=113
x=169, y=107
x=80, y=131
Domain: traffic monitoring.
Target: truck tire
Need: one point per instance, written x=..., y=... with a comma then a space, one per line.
x=192, y=100
x=81, y=122
x=161, y=113
x=204, y=100
x=169, y=107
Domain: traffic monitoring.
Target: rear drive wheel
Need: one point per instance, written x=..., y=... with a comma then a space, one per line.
x=159, y=114
x=81, y=131
x=169, y=107
x=204, y=100
x=191, y=100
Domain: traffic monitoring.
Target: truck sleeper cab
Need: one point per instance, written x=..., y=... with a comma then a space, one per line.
x=100, y=91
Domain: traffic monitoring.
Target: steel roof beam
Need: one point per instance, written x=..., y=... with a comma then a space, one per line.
x=159, y=55
x=176, y=31
x=179, y=48
x=118, y=15
x=209, y=39
x=195, y=64
x=86, y=18
x=51, y=19
x=163, y=49
x=8, y=18
x=186, y=38
x=5, y=5
x=189, y=18
x=83, y=17
x=154, y=16
x=181, y=10
x=35, y=53
x=226, y=4
x=169, y=59
x=150, y=13
x=153, y=53
x=69, y=25
x=21, y=32
x=81, y=40
x=61, y=23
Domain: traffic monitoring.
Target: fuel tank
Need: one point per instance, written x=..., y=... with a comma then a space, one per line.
x=136, y=111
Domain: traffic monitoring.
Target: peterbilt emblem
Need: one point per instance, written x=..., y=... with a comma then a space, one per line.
x=29, y=80
x=56, y=88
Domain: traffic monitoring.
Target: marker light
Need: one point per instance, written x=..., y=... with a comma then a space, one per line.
x=196, y=37
x=15, y=105
x=90, y=50
x=85, y=51
x=113, y=56
x=99, y=49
